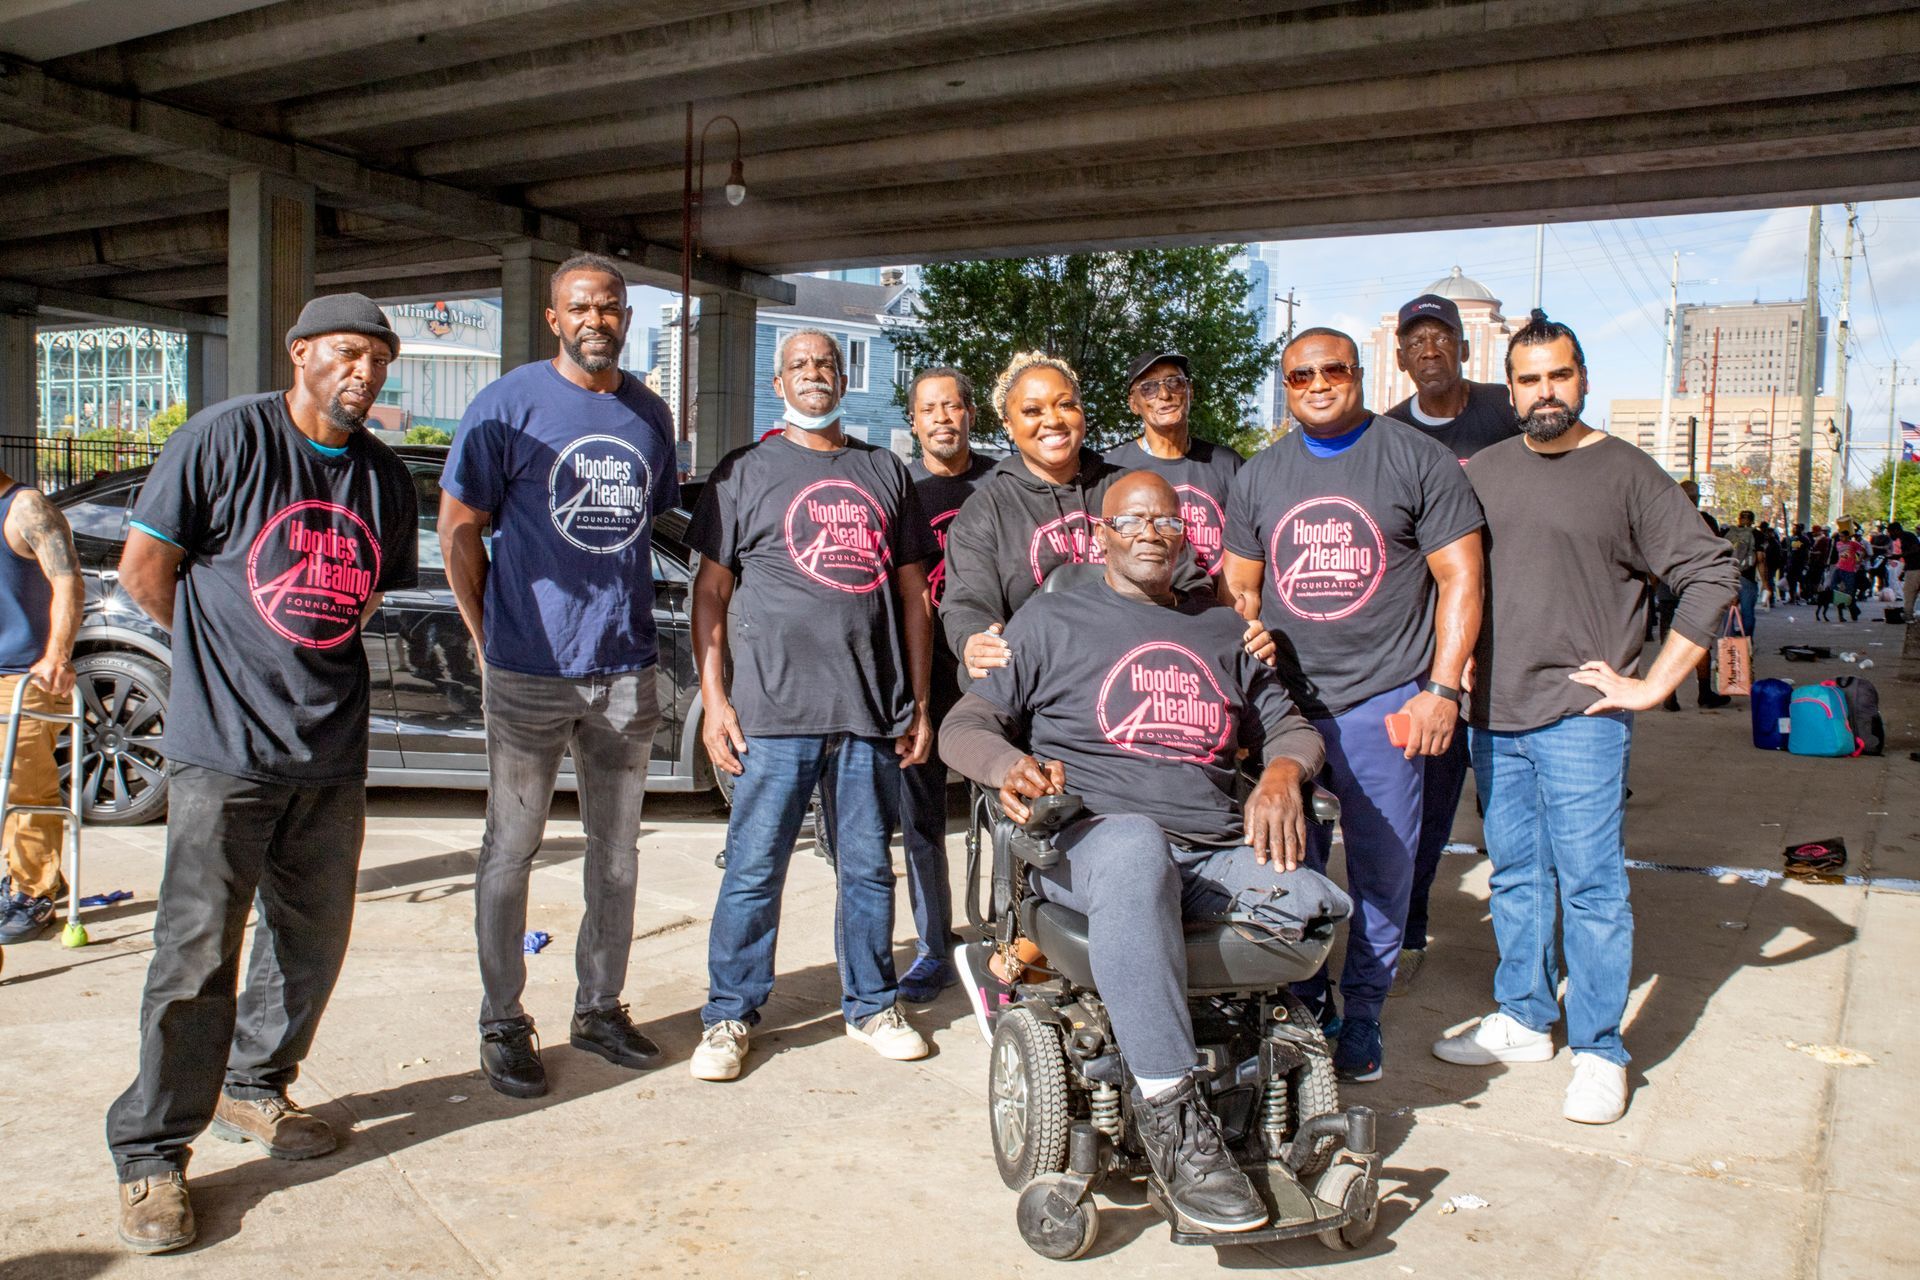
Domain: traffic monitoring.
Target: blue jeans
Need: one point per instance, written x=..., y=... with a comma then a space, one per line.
x=1749, y=597
x=769, y=802
x=923, y=816
x=1380, y=793
x=1555, y=805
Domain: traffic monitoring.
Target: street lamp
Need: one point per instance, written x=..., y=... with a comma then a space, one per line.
x=692, y=192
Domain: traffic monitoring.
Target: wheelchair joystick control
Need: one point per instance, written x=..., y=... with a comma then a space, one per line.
x=1048, y=814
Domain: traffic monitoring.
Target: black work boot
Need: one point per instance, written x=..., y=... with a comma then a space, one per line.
x=1191, y=1164
x=511, y=1058
x=611, y=1034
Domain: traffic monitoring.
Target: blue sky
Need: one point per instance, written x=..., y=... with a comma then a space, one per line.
x=1609, y=281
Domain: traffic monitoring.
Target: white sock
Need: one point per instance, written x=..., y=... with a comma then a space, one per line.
x=1154, y=1086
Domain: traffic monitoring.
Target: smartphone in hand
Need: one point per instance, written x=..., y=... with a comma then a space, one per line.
x=1399, y=729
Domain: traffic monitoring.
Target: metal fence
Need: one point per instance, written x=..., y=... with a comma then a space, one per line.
x=54, y=462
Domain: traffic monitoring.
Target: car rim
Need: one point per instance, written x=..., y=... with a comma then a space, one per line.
x=1009, y=1101
x=120, y=762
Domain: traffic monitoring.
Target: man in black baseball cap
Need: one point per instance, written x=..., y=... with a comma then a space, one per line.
x=1432, y=349
x=263, y=539
x=1160, y=393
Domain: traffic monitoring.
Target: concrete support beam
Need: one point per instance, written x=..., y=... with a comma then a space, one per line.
x=206, y=370
x=526, y=273
x=269, y=276
x=66, y=307
x=724, y=386
x=19, y=397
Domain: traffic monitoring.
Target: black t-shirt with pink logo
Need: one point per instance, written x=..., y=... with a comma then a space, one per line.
x=284, y=546
x=815, y=537
x=1146, y=706
x=1202, y=478
x=941, y=498
x=1346, y=591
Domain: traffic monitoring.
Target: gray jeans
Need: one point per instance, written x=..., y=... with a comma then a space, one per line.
x=609, y=722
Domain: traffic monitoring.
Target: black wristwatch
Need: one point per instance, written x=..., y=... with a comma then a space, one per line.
x=1439, y=690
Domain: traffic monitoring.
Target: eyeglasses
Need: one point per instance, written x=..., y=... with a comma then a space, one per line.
x=1133, y=526
x=1338, y=373
x=1173, y=386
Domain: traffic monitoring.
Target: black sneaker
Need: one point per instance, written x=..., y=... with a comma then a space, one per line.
x=510, y=1056
x=611, y=1034
x=1192, y=1167
x=1710, y=701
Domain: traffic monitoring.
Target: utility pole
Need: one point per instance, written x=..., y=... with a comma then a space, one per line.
x=1665, y=447
x=1693, y=425
x=1539, y=262
x=1894, y=450
x=1809, y=357
x=1837, y=485
x=1713, y=394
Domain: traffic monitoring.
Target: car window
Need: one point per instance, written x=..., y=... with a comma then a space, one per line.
x=668, y=569
x=101, y=514
x=426, y=486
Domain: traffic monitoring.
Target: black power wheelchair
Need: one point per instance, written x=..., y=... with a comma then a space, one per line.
x=1059, y=1107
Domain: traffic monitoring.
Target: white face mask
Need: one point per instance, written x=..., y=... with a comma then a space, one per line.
x=807, y=422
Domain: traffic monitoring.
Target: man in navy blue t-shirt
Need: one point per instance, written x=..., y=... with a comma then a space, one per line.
x=569, y=460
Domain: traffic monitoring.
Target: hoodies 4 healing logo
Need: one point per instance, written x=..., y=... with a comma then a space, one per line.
x=311, y=571
x=1162, y=701
x=837, y=536
x=597, y=493
x=1326, y=559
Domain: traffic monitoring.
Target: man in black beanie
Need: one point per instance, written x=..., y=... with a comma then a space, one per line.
x=262, y=540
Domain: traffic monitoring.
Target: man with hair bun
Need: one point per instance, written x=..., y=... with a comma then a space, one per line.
x=1577, y=523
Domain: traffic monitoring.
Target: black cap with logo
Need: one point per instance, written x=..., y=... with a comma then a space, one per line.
x=1431, y=306
x=1142, y=363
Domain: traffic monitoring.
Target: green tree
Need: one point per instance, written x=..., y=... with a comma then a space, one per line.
x=1097, y=311
x=424, y=434
x=167, y=421
x=1907, y=505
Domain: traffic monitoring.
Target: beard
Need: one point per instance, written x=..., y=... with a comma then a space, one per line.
x=344, y=418
x=1550, y=419
x=944, y=452
x=594, y=363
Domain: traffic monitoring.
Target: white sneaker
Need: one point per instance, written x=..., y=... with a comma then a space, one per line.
x=891, y=1035
x=1496, y=1038
x=720, y=1051
x=1598, y=1094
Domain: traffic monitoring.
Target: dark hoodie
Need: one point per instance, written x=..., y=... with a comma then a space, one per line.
x=1015, y=529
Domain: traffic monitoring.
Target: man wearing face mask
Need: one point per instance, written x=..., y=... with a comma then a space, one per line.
x=263, y=539
x=1432, y=349
x=1160, y=393
x=812, y=578
x=569, y=460
x=1577, y=520
x=944, y=475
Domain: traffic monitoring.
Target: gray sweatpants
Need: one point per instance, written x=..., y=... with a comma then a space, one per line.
x=1135, y=889
x=609, y=722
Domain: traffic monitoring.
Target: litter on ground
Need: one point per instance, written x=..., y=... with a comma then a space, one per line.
x=1457, y=1203
x=1834, y=1055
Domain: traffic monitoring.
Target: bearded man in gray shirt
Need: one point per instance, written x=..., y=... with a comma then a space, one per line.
x=1578, y=522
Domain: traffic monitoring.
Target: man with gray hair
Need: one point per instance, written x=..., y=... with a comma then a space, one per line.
x=811, y=570
x=570, y=460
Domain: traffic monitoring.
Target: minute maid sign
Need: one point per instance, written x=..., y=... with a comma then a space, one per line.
x=438, y=319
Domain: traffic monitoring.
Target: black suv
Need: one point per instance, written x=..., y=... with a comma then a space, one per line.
x=426, y=726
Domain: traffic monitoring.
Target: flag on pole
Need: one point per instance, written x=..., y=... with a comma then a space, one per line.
x=1909, y=442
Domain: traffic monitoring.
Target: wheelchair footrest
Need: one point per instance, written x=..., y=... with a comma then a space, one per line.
x=1296, y=1212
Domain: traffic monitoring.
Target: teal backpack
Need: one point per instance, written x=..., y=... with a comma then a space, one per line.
x=1818, y=722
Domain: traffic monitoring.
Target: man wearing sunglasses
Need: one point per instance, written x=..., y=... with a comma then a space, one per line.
x=1466, y=417
x=1127, y=689
x=1357, y=541
x=1160, y=394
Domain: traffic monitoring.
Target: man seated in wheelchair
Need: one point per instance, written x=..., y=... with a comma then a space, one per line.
x=1141, y=702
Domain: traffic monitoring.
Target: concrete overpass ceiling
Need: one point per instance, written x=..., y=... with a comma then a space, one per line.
x=43, y=29
x=436, y=131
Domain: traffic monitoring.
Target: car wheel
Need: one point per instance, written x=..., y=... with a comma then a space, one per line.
x=123, y=773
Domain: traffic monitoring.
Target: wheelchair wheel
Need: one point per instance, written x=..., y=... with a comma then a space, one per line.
x=1027, y=1110
x=1054, y=1226
x=1314, y=1089
x=1348, y=1187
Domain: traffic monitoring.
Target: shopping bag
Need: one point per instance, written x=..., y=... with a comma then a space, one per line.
x=1735, y=652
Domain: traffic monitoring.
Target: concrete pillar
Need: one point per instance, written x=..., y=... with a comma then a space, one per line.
x=526, y=276
x=206, y=370
x=726, y=381
x=19, y=396
x=269, y=276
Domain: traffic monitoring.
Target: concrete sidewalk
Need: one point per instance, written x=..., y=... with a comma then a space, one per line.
x=1740, y=1155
